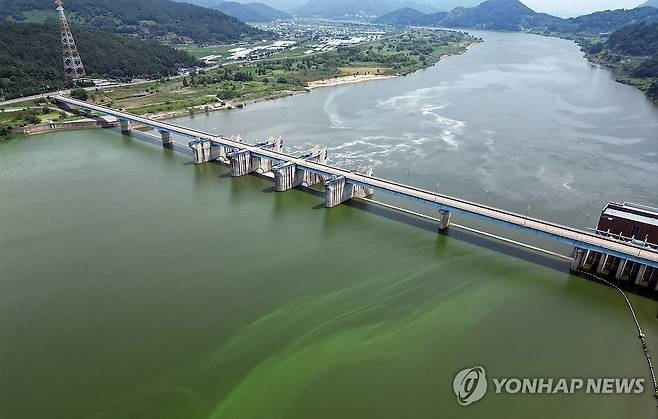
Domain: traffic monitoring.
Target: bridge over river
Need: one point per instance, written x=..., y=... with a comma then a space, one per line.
x=621, y=258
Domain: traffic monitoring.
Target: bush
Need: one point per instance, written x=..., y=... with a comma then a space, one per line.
x=79, y=93
x=243, y=76
x=227, y=95
x=5, y=129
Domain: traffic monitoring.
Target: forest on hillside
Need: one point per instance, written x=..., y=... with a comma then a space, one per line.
x=31, y=60
x=634, y=40
x=147, y=19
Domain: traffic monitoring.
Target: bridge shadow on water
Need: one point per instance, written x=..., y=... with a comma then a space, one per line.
x=471, y=238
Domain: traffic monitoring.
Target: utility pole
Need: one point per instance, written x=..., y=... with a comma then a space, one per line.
x=72, y=61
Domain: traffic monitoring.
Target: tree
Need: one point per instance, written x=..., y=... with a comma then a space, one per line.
x=31, y=118
x=242, y=76
x=79, y=93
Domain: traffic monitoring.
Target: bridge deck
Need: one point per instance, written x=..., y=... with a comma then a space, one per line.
x=564, y=234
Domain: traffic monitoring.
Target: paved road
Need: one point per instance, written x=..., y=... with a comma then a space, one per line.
x=569, y=235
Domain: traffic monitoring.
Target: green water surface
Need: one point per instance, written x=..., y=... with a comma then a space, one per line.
x=136, y=285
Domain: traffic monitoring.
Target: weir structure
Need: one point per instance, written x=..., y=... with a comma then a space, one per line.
x=340, y=185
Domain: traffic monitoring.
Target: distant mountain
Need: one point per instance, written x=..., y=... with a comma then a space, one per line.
x=345, y=8
x=247, y=12
x=650, y=3
x=427, y=6
x=505, y=15
x=358, y=9
x=432, y=19
x=402, y=17
x=146, y=19
x=607, y=21
x=448, y=5
x=512, y=15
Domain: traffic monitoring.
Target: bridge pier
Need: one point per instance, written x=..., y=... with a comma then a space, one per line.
x=444, y=219
x=621, y=268
x=639, y=278
x=287, y=175
x=241, y=163
x=204, y=151
x=578, y=259
x=338, y=189
x=125, y=125
x=602, y=262
x=166, y=138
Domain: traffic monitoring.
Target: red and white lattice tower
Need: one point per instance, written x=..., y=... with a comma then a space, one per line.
x=72, y=61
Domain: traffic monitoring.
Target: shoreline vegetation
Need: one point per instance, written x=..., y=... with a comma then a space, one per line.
x=238, y=85
x=630, y=52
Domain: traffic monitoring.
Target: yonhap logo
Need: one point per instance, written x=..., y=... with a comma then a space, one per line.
x=470, y=385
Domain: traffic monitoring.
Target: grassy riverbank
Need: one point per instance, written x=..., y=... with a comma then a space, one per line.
x=238, y=84
x=30, y=114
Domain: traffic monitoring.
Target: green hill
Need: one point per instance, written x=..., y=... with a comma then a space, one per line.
x=404, y=17
x=606, y=21
x=498, y=15
x=247, y=12
x=148, y=19
x=634, y=40
x=30, y=57
x=512, y=15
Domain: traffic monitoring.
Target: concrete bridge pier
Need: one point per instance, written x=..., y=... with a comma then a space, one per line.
x=166, y=138
x=334, y=191
x=621, y=268
x=125, y=125
x=287, y=176
x=204, y=151
x=639, y=278
x=241, y=163
x=338, y=190
x=444, y=217
x=578, y=259
x=602, y=262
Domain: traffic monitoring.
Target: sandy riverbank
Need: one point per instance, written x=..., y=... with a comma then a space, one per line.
x=346, y=80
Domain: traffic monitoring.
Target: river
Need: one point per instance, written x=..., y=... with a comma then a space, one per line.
x=136, y=285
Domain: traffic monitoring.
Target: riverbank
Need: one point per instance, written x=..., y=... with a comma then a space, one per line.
x=624, y=75
x=346, y=80
x=625, y=68
x=235, y=86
